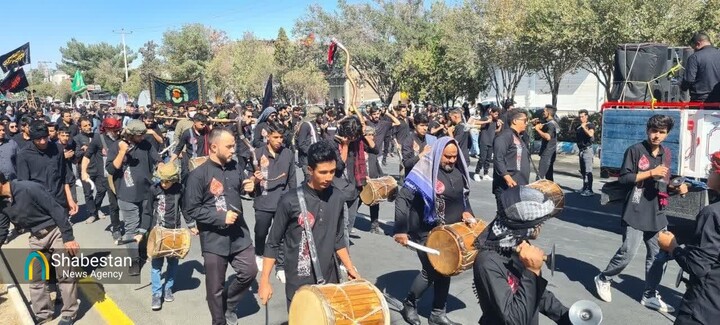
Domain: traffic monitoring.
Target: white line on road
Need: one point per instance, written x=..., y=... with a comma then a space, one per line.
x=593, y=211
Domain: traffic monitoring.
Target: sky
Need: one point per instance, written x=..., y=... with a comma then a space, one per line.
x=50, y=24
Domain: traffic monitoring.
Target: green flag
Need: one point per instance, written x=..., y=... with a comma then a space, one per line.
x=78, y=84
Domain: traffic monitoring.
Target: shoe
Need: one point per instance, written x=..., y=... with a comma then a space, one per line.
x=375, y=228
x=116, y=235
x=259, y=262
x=156, y=303
x=655, y=302
x=169, y=297
x=91, y=219
x=231, y=317
x=487, y=177
x=280, y=275
x=134, y=269
x=603, y=289
x=440, y=319
x=101, y=215
x=409, y=313
x=66, y=320
x=587, y=193
x=477, y=178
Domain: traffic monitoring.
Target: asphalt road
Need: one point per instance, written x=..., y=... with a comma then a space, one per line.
x=586, y=236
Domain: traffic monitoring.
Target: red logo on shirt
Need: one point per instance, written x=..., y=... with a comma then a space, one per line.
x=644, y=163
x=439, y=187
x=513, y=282
x=216, y=188
x=301, y=220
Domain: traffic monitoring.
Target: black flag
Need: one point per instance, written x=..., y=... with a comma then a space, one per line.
x=15, y=58
x=14, y=82
x=267, y=99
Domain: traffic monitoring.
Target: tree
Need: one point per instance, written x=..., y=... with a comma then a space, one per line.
x=88, y=57
x=306, y=83
x=109, y=76
x=187, y=51
x=134, y=85
x=151, y=64
x=242, y=67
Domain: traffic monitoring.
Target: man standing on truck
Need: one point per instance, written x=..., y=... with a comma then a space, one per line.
x=645, y=169
x=702, y=70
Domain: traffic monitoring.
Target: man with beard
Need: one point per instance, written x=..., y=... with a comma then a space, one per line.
x=268, y=115
x=382, y=127
x=153, y=134
x=195, y=143
x=417, y=144
x=212, y=199
x=92, y=169
x=511, y=166
x=131, y=162
x=435, y=193
x=82, y=143
x=548, y=149
x=460, y=131
x=506, y=271
x=23, y=137
x=67, y=121
x=44, y=162
x=323, y=206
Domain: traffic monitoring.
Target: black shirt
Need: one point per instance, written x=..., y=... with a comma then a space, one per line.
x=194, y=143
x=402, y=131
x=702, y=75
x=582, y=139
x=305, y=139
x=31, y=207
x=642, y=209
x=280, y=171
x=328, y=229
x=411, y=149
x=163, y=207
x=382, y=131
x=487, y=132
x=260, y=134
x=47, y=167
x=212, y=190
x=133, y=179
x=700, y=259
x=511, y=158
x=21, y=140
x=452, y=200
x=344, y=179
x=462, y=135
x=81, y=140
x=96, y=154
x=548, y=147
x=509, y=293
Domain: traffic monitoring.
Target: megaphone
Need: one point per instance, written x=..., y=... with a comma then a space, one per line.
x=585, y=312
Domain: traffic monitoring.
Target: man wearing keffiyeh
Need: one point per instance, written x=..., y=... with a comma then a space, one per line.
x=506, y=272
x=435, y=193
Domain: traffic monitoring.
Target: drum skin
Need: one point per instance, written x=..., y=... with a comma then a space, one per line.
x=196, y=162
x=165, y=242
x=456, y=245
x=353, y=302
x=378, y=190
x=552, y=191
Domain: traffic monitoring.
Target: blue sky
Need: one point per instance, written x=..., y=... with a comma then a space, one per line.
x=49, y=24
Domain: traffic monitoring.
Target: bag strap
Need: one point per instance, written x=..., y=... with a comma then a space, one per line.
x=308, y=232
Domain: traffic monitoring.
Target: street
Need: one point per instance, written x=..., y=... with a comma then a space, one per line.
x=586, y=236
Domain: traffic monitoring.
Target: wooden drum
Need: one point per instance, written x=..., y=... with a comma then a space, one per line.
x=378, y=190
x=165, y=242
x=456, y=245
x=196, y=162
x=350, y=303
x=552, y=191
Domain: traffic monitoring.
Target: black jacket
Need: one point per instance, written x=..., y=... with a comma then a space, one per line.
x=702, y=75
x=163, y=207
x=47, y=167
x=281, y=177
x=510, y=294
x=512, y=157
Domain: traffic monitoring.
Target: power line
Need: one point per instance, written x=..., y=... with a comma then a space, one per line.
x=122, y=33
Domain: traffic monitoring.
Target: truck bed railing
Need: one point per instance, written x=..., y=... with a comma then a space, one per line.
x=659, y=105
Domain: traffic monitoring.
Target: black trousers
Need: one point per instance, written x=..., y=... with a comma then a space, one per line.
x=429, y=277
x=486, y=152
x=220, y=300
x=94, y=203
x=263, y=221
x=685, y=319
x=547, y=160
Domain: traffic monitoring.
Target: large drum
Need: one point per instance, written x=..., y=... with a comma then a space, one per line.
x=350, y=303
x=455, y=243
x=378, y=190
x=552, y=191
x=165, y=242
x=196, y=162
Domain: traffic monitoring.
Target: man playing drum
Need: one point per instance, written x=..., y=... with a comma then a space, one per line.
x=435, y=193
x=194, y=141
x=506, y=272
x=325, y=205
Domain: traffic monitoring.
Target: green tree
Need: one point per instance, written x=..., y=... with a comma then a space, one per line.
x=241, y=68
x=88, y=57
x=151, y=65
x=134, y=85
x=187, y=51
x=109, y=76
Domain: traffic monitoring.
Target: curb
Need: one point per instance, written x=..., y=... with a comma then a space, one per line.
x=14, y=294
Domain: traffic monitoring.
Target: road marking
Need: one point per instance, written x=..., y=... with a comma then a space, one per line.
x=106, y=307
x=593, y=211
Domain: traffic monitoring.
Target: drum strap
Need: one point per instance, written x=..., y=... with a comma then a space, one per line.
x=308, y=232
x=193, y=143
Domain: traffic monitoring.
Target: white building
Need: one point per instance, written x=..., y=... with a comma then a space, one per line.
x=58, y=77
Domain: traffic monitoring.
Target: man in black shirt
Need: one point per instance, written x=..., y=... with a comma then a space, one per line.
x=511, y=166
x=460, y=131
x=548, y=149
x=269, y=114
x=276, y=172
x=490, y=125
x=23, y=137
x=646, y=170
x=153, y=134
x=212, y=199
x=702, y=70
x=29, y=206
x=288, y=236
x=416, y=145
x=584, y=139
x=66, y=120
x=699, y=259
x=383, y=127
x=193, y=143
x=435, y=193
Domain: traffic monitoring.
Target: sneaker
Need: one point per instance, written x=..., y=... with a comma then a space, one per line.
x=156, y=303
x=66, y=320
x=91, y=219
x=603, y=289
x=280, y=275
x=259, y=262
x=587, y=193
x=655, y=302
x=101, y=215
x=477, y=178
x=231, y=317
x=169, y=297
x=487, y=177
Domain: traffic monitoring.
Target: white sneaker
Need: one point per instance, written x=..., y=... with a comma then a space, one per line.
x=657, y=304
x=280, y=275
x=477, y=178
x=259, y=262
x=487, y=178
x=603, y=289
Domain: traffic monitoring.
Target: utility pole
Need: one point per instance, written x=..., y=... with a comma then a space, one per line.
x=122, y=33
